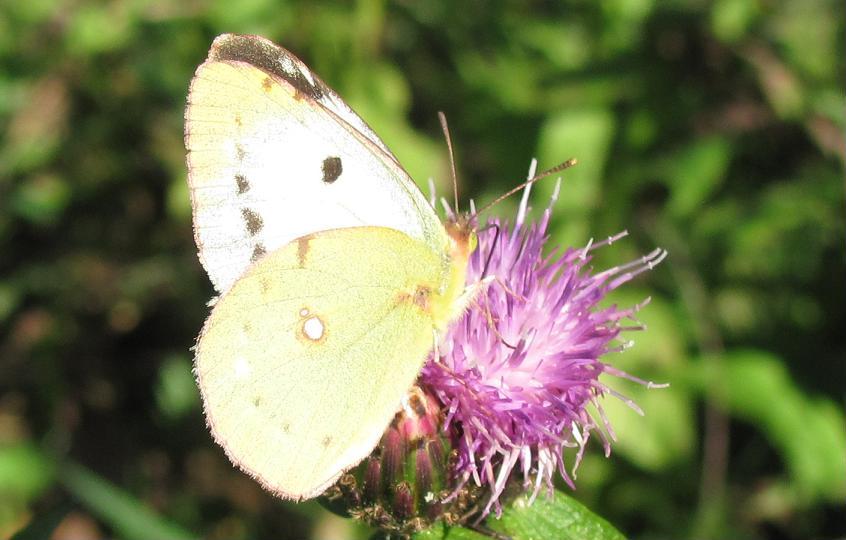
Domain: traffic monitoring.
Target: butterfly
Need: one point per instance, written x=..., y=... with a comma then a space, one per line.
x=334, y=272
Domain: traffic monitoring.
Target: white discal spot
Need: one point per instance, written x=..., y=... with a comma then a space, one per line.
x=242, y=368
x=313, y=328
x=304, y=312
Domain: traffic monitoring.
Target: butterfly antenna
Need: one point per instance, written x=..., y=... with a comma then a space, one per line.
x=549, y=172
x=445, y=128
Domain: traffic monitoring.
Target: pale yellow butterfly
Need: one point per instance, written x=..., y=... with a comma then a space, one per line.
x=334, y=272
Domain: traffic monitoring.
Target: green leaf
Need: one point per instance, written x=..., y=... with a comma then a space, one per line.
x=176, y=394
x=623, y=22
x=41, y=199
x=783, y=234
x=179, y=199
x=661, y=346
x=96, y=28
x=250, y=14
x=663, y=436
x=10, y=299
x=24, y=472
x=442, y=532
x=808, y=432
x=809, y=33
x=586, y=135
x=695, y=173
x=563, y=42
x=560, y=517
x=731, y=19
x=383, y=97
x=516, y=92
x=129, y=517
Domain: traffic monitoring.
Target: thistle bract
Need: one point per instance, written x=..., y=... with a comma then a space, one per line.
x=404, y=486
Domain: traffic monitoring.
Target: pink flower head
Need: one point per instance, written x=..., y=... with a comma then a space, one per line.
x=517, y=372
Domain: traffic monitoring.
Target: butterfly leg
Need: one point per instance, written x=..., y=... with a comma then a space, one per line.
x=468, y=295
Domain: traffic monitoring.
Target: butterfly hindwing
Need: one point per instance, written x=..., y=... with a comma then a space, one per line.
x=304, y=361
x=274, y=154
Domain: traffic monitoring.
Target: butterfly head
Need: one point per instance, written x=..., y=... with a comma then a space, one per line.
x=462, y=233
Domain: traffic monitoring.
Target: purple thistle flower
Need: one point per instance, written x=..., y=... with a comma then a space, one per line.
x=517, y=372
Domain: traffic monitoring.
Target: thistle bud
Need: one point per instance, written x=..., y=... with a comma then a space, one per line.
x=404, y=485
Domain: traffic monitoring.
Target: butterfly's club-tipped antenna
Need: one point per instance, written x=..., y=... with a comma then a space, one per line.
x=549, y=172
x=474, y=213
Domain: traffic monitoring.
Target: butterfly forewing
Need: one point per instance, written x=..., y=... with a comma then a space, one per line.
x=274, y=154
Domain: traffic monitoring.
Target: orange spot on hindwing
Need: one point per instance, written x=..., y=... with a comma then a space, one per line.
x=302, y=250
x=420, y=297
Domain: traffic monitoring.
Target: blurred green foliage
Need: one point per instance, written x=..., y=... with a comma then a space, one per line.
x=714, y=129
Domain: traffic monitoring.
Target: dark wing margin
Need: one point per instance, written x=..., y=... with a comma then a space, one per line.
x=281, y=64
x=271, y=59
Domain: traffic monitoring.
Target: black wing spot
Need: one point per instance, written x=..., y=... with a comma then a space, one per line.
x=242, y=183
x=258, y=252
x=332, y=169
x=252, y=220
